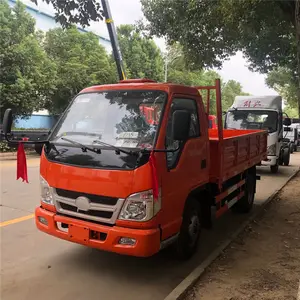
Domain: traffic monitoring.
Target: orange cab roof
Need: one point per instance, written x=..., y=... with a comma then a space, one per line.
x=134, y=85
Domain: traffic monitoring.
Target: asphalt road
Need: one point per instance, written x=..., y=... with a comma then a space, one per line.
x=37, y=266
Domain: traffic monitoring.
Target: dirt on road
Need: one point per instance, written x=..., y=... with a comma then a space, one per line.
x=263, y=263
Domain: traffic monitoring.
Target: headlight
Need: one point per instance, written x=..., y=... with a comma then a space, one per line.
x=140, y=207
x=271, y=150
x=46, y=195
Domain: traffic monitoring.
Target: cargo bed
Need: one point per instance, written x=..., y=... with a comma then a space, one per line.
x=236, y=152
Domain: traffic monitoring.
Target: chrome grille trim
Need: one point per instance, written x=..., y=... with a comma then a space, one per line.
x=114, y=209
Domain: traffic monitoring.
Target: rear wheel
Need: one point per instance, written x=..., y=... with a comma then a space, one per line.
x=286, y=156
x=187, y=242
x=245, y=204
x=291, y=148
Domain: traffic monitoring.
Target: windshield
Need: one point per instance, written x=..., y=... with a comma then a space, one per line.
x=127, y=118
x=252, y=119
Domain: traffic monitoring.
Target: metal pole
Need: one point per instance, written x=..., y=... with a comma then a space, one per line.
x=219, y=110
x=113, y=39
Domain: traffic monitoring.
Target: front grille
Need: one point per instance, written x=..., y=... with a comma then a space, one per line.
x=95, y=213
x=94, y=198
x=97, y=208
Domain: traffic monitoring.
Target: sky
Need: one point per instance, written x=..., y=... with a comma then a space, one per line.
x=235, y=68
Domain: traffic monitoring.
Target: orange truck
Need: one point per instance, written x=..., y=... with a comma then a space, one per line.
x=112, y=181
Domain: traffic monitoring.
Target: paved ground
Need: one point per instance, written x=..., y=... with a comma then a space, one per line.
x=263, y=263
x=37, y=266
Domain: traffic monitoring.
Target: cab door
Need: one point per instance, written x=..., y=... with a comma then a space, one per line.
x=187, y=168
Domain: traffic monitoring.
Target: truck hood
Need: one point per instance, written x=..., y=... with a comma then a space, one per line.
x=109, y=183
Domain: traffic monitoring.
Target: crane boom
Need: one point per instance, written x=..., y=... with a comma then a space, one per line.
x=114, y=39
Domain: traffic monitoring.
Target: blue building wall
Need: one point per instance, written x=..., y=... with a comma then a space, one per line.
x=46, y=21
x=36, y=121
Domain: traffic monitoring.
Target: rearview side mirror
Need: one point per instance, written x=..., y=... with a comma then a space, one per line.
x=7, y=121
x=181, y=122
x=287, y=122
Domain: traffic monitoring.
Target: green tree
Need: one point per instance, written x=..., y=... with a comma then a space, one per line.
x=81, y=62
x=283, y=81
x=230, y=90
x=26, y=73
x=141, y=55
x=268, y=32
x=179, y=71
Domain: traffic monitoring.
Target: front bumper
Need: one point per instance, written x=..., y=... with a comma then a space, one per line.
x=99, y=236
x=270, y=161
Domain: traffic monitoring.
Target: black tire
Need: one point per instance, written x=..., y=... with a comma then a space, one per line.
x=187, y=242
x=245, y=204
x=291, y=148
x=274, y=169
x=286, y=156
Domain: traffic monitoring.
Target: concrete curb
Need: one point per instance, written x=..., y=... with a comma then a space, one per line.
x=184, y=287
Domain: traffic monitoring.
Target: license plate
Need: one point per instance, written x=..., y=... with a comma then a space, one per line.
x=79, y=233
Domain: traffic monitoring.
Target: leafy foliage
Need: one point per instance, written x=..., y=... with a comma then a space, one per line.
x=179, y=72
x=26, y=71
x=283, y=81
x=141, y=55
x=211, y=31
x=76, y=11
x=81, y=61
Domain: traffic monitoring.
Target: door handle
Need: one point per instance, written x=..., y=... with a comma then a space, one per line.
x=203, y=164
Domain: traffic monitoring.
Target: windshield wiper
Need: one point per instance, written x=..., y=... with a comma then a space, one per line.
x=82, y=146
x=117, y=149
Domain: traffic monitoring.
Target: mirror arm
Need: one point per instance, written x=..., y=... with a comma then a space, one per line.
x=161, y=150
x=166, y=150
x=24, y=142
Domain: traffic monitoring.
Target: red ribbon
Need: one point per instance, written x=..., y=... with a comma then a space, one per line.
x=21, y=163
x=152, y=162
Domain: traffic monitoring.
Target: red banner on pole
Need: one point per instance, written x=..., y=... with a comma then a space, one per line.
x=21, y=163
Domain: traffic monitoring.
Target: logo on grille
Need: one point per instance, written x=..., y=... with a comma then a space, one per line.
x=82, y=203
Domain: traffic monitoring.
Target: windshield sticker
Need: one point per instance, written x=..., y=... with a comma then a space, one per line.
x=82, y=100
x=126, y=143
x=128, y=135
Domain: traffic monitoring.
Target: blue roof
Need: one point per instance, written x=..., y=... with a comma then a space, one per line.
x=52, y=17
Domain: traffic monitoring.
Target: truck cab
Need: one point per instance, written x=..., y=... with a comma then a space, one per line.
x=265, y=113
x=108, y=183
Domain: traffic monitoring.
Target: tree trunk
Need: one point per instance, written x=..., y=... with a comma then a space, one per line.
x=297, y=19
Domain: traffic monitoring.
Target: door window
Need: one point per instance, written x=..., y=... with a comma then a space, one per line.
x=181, y=104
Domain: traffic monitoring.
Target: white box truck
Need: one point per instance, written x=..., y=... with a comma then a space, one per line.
x=264, y=113
x=292, y=134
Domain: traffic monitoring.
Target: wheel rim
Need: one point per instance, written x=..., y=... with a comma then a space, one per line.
x=194, y=228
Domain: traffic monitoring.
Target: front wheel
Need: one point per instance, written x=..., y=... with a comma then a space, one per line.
x=244, y=205
x=187, y=242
